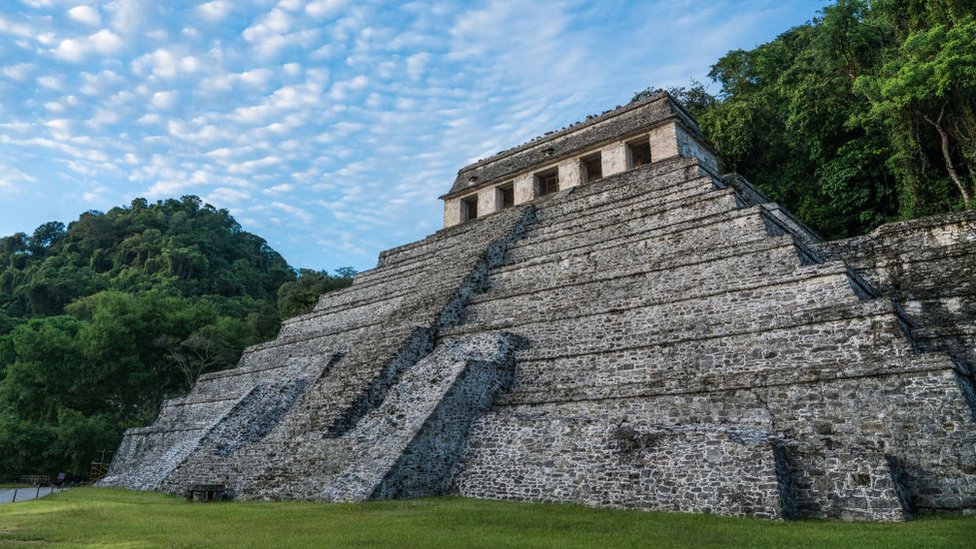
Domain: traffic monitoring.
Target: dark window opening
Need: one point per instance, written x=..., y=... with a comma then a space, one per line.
x=593, y=167
x=548, y=182
x=469, y=208
x=508, y=196
x=640, y=153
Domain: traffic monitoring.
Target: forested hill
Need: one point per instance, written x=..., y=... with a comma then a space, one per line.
x=103, y=319
x=866, y=115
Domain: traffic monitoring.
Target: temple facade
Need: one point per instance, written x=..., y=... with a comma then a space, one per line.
x=606, y=319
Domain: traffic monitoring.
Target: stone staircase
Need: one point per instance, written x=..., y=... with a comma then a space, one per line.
x=295, y=406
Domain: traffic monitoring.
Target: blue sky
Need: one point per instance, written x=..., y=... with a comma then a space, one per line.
x=328, y=127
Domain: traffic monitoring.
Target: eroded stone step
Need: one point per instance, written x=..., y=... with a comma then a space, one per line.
x=688, y=206
x=681, y=381
x=690, y=233
x=331, y=318
x=541, y=241
x=477, y=232
x=667, y=366
x=810, y=287
x=625, y=189
x=763, y=258
x=628, y=206
x=276, y=352
x=435, y=265
x=697, y=235
x=658, y=177
x=618, y=260
x=608, y=331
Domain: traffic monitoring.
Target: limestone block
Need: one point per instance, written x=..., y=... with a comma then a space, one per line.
x=614, y=157
x=664, y=142
x=489, y=201
x=690, y=147
x=452, y=213
x=524, y=188
x=570, y=174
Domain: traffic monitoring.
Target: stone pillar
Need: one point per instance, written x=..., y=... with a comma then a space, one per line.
x=524, y=188
x=570, y=174
x=664, y=142
x=452, y=212
x=489, y=201
x=614, y=158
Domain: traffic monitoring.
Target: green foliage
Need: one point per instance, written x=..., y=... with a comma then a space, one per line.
x=299, y=296
x=863, y=116
x=103, y=319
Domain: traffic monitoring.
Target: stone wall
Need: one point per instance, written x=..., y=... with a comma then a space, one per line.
x=613, y=462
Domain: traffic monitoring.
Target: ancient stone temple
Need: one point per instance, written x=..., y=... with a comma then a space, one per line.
x=607, y=320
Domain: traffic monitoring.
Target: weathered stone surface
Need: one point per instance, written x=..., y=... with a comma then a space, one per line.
x=661, y=338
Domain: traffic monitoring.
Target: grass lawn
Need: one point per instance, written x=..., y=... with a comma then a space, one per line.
x=102, y=517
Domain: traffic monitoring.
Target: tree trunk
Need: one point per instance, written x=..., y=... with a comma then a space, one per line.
x=937, y=124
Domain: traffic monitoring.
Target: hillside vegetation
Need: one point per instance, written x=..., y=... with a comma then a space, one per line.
x=103, y=319
x=863, y=116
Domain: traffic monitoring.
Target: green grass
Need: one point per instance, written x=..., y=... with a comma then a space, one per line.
x=88, y=517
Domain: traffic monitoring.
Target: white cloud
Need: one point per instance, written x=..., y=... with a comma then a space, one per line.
x=416, y=64
x=274, y=23
x=85, y=14
x=214, y=11
x=164, y=99
x=226, y=195
x=60, y=128
x=20, y=71
x=19, y=29
x=150, y=119
x=324, y=8
x=128, y=16
x=252, y=166
x=292, y=69
x=290, y=5
x=103, y=116
x=293, y=211
x=340, y=89
x=50, y=82
x=10, y=179
x=256, y=77
x=100, y=83
x=166, y=63
x=167, y=188
x=281, y=188
x=104, y=42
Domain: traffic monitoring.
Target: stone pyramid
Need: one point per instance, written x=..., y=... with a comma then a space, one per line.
x=606, y=320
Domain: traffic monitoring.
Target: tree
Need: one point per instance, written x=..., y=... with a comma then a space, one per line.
x=299, y=297
x=103, y=319
x=202, y=351
x=932, y=80
x=862, y=116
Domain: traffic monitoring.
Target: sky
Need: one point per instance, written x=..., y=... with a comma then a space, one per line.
x=327, y=127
